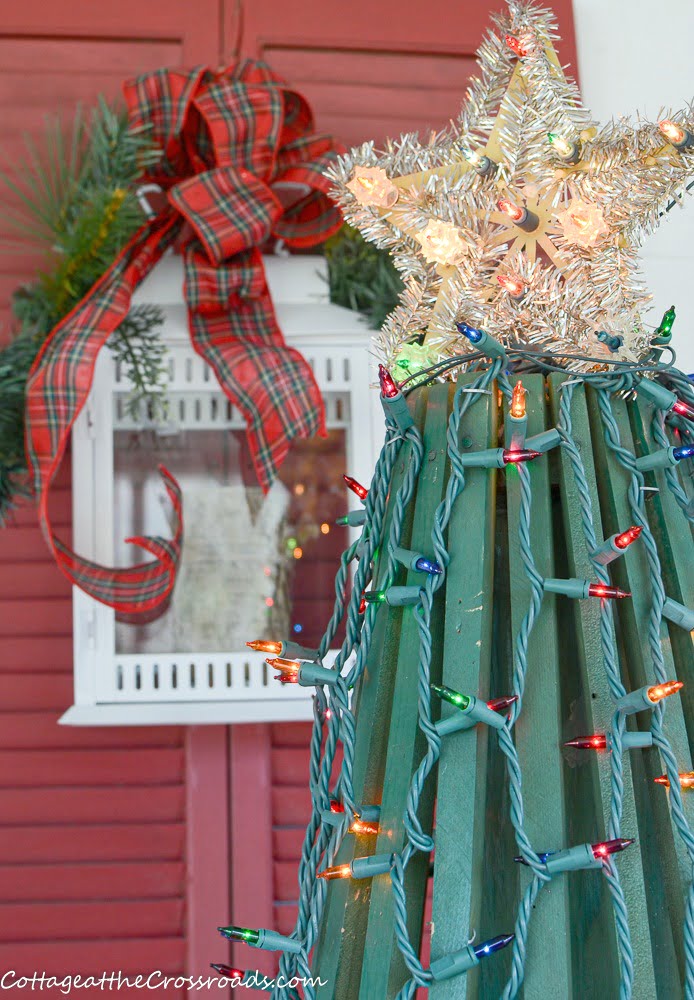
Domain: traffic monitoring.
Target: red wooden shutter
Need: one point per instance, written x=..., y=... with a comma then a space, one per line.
x=93, y=822
x=54, y=56
x=373, y=70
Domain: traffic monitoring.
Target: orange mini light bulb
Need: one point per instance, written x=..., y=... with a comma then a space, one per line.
x=660, y=691
x=265, y=646
x=337, y=871
x=518, y=401
x=288, y=669
x=673, y=133
x=363, y=827
x=686, y=780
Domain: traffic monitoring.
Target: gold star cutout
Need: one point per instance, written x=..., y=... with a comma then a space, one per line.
x=548, y=211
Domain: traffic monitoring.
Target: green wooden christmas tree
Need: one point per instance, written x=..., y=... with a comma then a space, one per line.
x=509, y=698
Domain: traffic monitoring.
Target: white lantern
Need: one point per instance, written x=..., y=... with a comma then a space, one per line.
x=252, y=564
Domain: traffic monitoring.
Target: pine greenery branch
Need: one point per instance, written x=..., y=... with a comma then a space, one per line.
x=15, y=362
x=74, y=199
x=361, y=277
x=137, y=346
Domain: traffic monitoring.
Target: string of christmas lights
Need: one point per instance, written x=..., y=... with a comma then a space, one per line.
x=376, y=865
x=472, y=711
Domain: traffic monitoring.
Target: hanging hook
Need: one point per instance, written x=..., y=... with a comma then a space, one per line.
x=237, y=36
x=142, y=192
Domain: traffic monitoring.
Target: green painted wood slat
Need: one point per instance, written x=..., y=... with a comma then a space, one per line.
x=572, y=945
x=587, y=774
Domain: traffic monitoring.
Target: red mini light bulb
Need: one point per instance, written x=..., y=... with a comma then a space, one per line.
x=628, y=537
x=336, y=806
x=362, y=603
x=684, y=409
x=356, y=487
x=516, y=45
x=501, y=704
x=598, y=741
x=514, y=212
x=228, y=971
x=602, y=590
x=608, y=847
x=514, y=286
x=521, y=455
x=389, y=387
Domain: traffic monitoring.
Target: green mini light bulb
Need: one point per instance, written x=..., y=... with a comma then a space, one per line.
x=663, y=334
x=451, y=696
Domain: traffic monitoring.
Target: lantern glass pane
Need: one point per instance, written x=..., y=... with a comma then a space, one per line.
x=254, y=565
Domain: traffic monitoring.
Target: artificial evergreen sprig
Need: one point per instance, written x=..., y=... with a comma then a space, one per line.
x=136, y=344
x=361, y=276
x=75, y=200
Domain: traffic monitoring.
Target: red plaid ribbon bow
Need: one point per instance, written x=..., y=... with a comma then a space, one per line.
x=231, y=142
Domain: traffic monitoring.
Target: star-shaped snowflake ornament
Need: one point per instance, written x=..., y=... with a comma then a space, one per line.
x=523, y=219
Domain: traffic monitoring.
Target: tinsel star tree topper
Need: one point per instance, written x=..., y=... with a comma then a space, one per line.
x=524, y=218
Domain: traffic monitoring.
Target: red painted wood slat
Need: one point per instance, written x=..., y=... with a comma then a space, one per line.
x=286, y=843
x=92, y=821
x=285, y=918
x=25, y=544
x=34, y=730
x=21, y=579
x=42, y=617
x=291, y=734
x=131, y=957
x=114, y=881
x=286, y=888
x=250, y=777
x=291, y=805
x=42, y=691
x=38, y=654
x=52, y=805
x=122, y=842
x=87, y=921
x=99, y=767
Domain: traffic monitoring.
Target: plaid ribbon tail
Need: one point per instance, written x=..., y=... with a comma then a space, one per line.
x=57, y=389
x=141, y=592
x=239, y=337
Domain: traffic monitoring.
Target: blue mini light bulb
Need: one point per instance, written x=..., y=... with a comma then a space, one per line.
x=425, y=565
x=494, y=944
x=685, y=451
x=473, y=335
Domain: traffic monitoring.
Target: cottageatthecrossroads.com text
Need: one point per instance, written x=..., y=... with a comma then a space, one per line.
x=157, y=980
